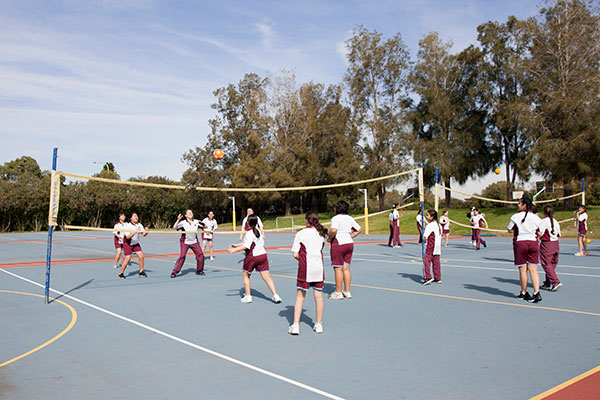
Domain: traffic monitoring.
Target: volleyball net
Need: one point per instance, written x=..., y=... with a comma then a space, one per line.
x=439, y=187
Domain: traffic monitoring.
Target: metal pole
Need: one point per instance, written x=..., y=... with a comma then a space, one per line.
x=49, y=246
x=437, y=196
x=422, y=198
x=233, y=213
x=366, y=211
x=583, y=191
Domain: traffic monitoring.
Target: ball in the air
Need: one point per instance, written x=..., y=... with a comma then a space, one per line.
x=589, y=240
x=218, y=154
x=497, y=171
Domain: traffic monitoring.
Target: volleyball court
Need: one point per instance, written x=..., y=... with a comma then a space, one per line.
x=190, y=336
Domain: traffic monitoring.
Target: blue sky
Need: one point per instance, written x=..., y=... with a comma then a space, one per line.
x=131, y=81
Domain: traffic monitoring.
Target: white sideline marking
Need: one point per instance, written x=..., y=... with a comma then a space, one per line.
x=187, y=343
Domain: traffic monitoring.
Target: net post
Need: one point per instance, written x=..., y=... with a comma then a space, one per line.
x=233, y=213
x=422, y=200
x=437, y=195
x=366, y=211
x=51, y=223
x=583, y=191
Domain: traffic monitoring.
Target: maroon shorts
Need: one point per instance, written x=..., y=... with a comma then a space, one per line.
x=259, y=263
x=117, y=244
x=129, y=249
x=446, y=232
x=526, y=252
x=208, y=239
x=303, y=285
x=341, y=253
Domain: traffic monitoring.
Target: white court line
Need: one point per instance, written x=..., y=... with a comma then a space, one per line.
x=463, y=266
x=187, y=343
x=470, y=261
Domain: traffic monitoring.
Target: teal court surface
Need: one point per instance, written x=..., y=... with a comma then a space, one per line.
x=191, y=338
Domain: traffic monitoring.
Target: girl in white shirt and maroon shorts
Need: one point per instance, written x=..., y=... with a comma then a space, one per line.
x=308, y=250
x=525, y=248
x=256, y=259
x=343, y=229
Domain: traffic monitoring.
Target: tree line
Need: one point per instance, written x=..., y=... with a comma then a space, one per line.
x=527, y=96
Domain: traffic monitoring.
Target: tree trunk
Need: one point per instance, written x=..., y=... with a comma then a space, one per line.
x=509, y=187
x=568, y=190
x=288, y=205
x=315, y=201
x=447, y=193
x=381, y=196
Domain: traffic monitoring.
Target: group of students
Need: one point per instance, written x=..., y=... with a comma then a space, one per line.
x=394, y=218
x=127, y=234
x=309, y=242
x=307, y=248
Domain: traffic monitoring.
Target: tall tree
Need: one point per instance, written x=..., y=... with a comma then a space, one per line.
x=565, y=63
x=448, y=118
x=241, y=129
x=376, y=78
x=507, y=94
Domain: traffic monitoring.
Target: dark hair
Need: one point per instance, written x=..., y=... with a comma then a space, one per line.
x=252, y=223
x=434, y=216
x=123, y=214
x=527, y=201
x=475, y=209
x=313, y=218
x=395, y=205
x=583, y=206
x=549, y=212
x=341, y=207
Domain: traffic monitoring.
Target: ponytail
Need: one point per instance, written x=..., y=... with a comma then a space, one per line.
x=527, y=201
x=549, y=212
x=313, y=220
x=252, y=223
x=434, y=216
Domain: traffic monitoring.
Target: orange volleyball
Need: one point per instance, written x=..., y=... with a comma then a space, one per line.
x=218, y=154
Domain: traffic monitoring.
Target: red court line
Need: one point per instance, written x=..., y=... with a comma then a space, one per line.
x=584, y=389
x=148, y=256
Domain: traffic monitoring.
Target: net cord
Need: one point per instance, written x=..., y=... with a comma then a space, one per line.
x=507, y=201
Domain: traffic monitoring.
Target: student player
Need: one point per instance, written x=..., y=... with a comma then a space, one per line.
x=246, y=227
x=308, y=250
x=445, y=223
x=210, y=226
x=256, y=259
x=525, y=248
x=478, y=220
x=394, y=217
x=581, y=218
x=188, y=241
x=118, y=239
x=433, y=249
x=549, y=232
x=343, y=229
x=131, y=245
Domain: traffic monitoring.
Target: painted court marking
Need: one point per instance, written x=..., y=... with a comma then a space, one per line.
x=185, y=342
x=566, y=384
x=55, y=338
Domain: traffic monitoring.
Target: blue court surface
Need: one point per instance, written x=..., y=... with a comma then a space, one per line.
x=191, y=338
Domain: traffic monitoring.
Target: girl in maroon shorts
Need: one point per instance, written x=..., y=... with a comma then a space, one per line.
x=256, y=259
x=118, y=239
x=131, y=245
x=308, y=250
x=343, y=229
x=525, y=248
x=549, y=232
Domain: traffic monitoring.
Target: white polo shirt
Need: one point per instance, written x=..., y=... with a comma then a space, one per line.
x=344, y=225
x=210, y=225
x=190, y=238
x=259, y=243
x=526, y=230
x=313, y=244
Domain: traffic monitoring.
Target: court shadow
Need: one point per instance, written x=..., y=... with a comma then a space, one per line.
x=187, y=271
x=74, y=289
x=328, y=288
x=288, y=313
x=413, y=277
x=489, y=290
x=504, y=280
x=498, y=259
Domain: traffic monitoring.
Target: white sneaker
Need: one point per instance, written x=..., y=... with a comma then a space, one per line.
x=336, y=296
x=276, y=298
x=318, y=328
x=347, y=295
x=212, y=258
x=246, y=299
x=115, y=266
x=294, y=329
x=578, y=254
